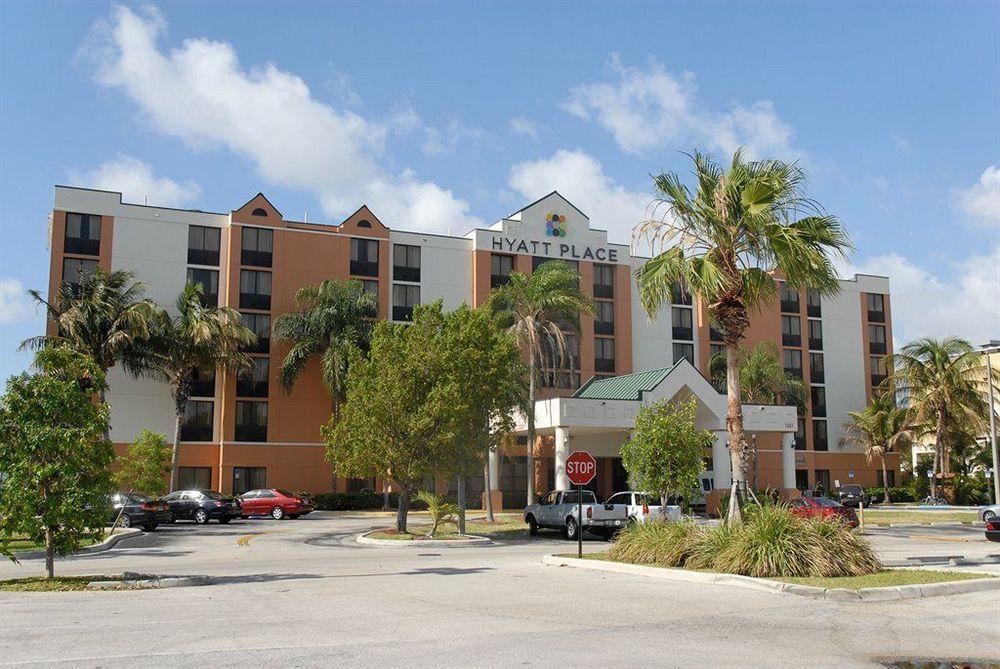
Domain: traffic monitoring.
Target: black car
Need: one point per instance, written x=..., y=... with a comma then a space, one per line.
x=852, y=495
x=202, y=506
x=138, y=511
x=993, y=529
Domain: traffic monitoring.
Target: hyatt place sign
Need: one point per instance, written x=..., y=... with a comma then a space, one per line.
x=563, y=250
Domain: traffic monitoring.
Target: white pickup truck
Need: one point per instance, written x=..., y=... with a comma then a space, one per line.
x=558, y=510
x=641, y=507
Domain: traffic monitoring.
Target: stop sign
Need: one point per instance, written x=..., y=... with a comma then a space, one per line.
x=581, y=467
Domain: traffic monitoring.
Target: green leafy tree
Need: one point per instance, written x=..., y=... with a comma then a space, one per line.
x=53, y=453
x=725, y=241
x=763, y=379
x=333, y=319
x=146, y=466
x=537, y=310
x=197, y=337
x=879, y=428
x=664, y=454
x=440, y=510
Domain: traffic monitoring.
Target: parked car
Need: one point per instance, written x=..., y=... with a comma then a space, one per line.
x=642, y=506
x=275, y=502
x=993, y=529
x=823, y=507
x=558, y=510
x=852, y=495
x=989, y=512
x=138, y=511
x=202, y=506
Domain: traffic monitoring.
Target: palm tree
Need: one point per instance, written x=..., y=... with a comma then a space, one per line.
x=878, y=429
x=725, y=242
x=198, y=337
x=945, y=383
x=537, y=309
x=334, y=317
x=105, y=316
x=763, y=380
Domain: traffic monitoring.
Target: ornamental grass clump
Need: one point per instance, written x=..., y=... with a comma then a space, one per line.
x=772, y=542
x=709, y=546
x=844, y=553
x=660, y=543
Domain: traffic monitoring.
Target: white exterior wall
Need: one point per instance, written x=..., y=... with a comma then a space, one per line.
x=445, y=267
x=652, y=342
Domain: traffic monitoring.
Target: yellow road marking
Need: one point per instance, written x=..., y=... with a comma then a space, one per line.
x=245, y=539
x=930, y=537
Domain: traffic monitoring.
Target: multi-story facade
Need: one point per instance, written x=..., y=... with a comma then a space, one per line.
x=246, y=432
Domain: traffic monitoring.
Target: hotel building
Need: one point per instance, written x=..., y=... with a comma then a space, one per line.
x=247, y=432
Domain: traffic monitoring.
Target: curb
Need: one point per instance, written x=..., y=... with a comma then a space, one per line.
x=145, y=581
x=423, y=543
x=105, y=545
x=943, y=523
x=891, y=593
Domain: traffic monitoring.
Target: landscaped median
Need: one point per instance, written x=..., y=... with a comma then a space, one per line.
x=477, y=532
x=24, y=549
x=125, y=581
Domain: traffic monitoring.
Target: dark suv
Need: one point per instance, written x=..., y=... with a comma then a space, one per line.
x=852, y=495
x=202, y=506
x=138, y=511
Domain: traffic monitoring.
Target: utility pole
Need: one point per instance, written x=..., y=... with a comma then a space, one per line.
x=988, y=351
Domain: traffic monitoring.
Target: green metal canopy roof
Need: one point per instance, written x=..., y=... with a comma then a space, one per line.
x=625, y=387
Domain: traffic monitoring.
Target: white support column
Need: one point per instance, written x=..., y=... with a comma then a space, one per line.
x=788, y=460
x=562, y=452
x=495, y=469
x=722, y=465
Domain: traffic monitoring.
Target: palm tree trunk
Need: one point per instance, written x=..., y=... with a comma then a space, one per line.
x=531, y=429
x=734, y=426
x=938, y=451
x=175, y=454
x=489, y=492
x=885, y=480
x=50, y=552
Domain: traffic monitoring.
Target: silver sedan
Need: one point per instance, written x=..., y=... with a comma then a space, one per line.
x=989, y=512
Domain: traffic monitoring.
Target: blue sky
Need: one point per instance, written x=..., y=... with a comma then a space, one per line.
x=444, y=116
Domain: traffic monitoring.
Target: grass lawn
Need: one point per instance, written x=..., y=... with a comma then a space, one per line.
x=875, y=516
x=22, y=544
x=57, y=584
x=883, y=579
x=505, y=527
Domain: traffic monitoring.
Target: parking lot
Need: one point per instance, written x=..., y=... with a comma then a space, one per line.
x=304, y=593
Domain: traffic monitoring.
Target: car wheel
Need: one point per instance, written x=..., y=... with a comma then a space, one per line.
x=988, y=515
x=201, y=516
x=571, y=528
x=277, y=513
x=125, y=521
x=149, y=527
x=225, y=521
x=532, y=526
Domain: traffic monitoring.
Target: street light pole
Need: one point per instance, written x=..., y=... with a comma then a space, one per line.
x=993, y=428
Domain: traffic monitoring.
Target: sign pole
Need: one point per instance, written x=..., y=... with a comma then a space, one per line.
x=579, y=521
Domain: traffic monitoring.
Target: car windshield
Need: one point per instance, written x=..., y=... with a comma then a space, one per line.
x=851, y=489
x=826, y=501
x=211, y=494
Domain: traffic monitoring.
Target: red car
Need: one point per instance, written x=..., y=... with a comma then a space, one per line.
x=274, y=502
x=823, y=508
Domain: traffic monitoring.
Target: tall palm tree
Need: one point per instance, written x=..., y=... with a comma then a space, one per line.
x=105, y=316
x=537, y=309
x=334, y=317
x=763, y=379
x=944, y=381
x=198, y=337
x=725, y=242
x=878, y=429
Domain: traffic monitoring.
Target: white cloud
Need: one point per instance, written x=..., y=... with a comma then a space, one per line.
x=580, y=178
x=136, y=182
x=649, y=109
x=925, y=303
x=15, y=305
x=446, y=138
x=200, y=93
x=524, y=127
x=981, y=201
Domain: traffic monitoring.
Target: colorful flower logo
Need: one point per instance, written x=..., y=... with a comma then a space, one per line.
x=555, y=225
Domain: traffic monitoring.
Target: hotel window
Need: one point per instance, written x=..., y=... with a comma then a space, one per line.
x=814, y=307
x=713, y=334
x=604, y=320
x=791, y=331
x=202, y=382
x=792, y=362
x=364, y=257
x=197, y=422
x=248, y=478
x=83, y=234
x=370, y=287
x=683, y=351
x=500, y=268
x=816, y=371
x=253, y=382
x=876, y=339
x=876, y=307
x=678, y=295
x=75, y=269
x=819, y=436
x=405, y=262
x=258, y=246
x=800, y=434
x=208, y=279
x=561, y=371
x=260, y=325
x=404, y=298
x=818, y=397
x=604, y=281
x=879, y=371
x=604, y=355
x=789, y=298
x=203, y=245
x=802, y=479
x=816, y=335
x=194, y=478
x=251, y=421
x=878, y=478
x=823, y=479
x=255, y=289
x=681, y=322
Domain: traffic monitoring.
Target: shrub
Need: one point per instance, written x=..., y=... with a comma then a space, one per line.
x=441, y=510
x=770, y=542
x=352, y=501
x=711, y=543
x=971, y=490
x=841, y=552
x=661, y=543
x=897, y=494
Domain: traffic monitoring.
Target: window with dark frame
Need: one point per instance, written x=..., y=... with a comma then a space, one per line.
x=251, y=420
x=248, y=478
x=561, y=371
x=257, y=247
x=500, y=268
x=198, y=421
x=876, y=339
x=194, y=478
x=364, y=257
x=202, y=382
x=800, y=433
x=789, y=298
x=75, y=269
x=792, y=361
x=208, y=279
x=604, y=355
x=818, y=400
x=876, y=307
x=260, y=325
x=254, y=382
x=404, y=298
x=819, y=436
x=255, y=289
x=405, y=262
x=604, y=281
x=879, y=369
x=681, y=350
x=815, y=335
x=83, y=234
x=791, y=331
x=203, y=245
x=814, y=305
x=816, y=369
x=604, y=319
x=679, y=295
x=681, y=321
